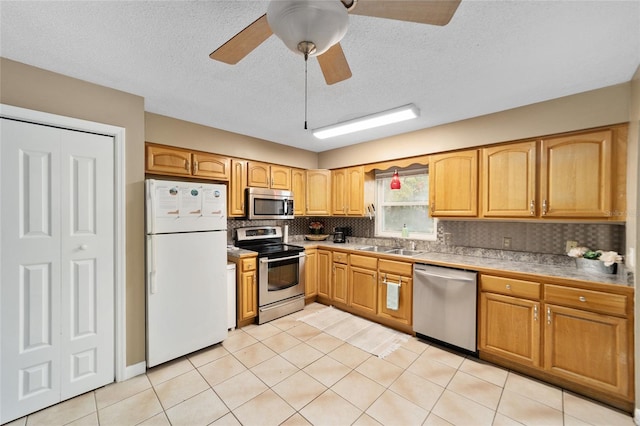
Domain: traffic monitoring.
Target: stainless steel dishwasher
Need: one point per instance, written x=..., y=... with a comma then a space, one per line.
x=445, y=306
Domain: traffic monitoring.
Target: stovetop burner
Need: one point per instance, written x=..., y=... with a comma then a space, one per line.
x=266, y=240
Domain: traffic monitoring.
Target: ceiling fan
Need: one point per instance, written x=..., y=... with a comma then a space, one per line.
x=315, y=28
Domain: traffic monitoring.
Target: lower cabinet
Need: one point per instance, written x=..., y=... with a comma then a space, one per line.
x=247, y=290
x=311, y=273
x=340, y=278
x=324, y=274
x=363, y=288
x=576, y=337
x=392, y=272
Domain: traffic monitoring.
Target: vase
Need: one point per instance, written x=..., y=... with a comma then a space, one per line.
x=595, y=265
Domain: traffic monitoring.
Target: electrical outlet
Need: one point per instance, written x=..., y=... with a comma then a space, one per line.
x=447, y=238
x=506, y=242
x=570, y=244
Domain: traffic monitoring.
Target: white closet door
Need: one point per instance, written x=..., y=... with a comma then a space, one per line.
x=53, y=316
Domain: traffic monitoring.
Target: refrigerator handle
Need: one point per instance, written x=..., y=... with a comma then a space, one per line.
x=153, y=285
x=151, y=189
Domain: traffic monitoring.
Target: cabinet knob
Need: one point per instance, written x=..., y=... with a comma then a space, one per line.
x=582, y=299
x=508, y=286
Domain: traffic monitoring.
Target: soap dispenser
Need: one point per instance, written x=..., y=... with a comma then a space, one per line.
x=405, y=231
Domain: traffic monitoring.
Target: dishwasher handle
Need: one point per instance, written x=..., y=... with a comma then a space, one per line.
x=445, y=276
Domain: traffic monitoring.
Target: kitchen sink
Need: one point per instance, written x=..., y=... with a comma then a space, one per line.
x=372, y=248
x=404, y=252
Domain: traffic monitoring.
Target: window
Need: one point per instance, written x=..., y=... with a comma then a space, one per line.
x=408, y=205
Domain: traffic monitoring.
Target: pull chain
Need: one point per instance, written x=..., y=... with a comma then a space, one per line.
x=306, y=56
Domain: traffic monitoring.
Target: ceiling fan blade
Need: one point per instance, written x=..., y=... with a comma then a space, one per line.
x=434, y=12
x=243, y=43
x=334, y=65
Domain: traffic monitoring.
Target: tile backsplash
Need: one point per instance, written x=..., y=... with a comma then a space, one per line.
x=528, y=237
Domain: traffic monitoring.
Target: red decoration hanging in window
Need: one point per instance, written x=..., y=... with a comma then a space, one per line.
x=395, y=180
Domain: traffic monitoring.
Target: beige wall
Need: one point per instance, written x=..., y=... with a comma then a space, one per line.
x=633, y=196
x=171, y=131
x=36, y=89
x=590, y=109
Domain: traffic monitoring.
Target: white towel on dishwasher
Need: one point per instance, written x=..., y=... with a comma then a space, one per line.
x=393, y=295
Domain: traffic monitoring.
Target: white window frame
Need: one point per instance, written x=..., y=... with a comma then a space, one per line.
x=433, y=236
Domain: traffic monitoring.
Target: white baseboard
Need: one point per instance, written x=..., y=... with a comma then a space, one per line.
x=135, y=370
x=636, y=416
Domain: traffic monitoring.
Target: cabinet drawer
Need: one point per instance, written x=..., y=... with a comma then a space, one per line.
x=589, y=300
x=510, y=287
x=364, y=261
x=393, y=267
x=249, y=264
x=340, y=257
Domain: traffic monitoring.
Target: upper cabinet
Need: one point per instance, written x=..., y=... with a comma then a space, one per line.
x=453, y=184
x=318, y=200
x=575, y=175
x=166, y=160
x=299, y=189
x=263, y=175
x=348, y=191
x=508, y=180
x=236, y=189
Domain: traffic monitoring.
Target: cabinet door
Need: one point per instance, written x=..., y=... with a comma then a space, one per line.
x=280, y=178
x=318, y=192
x=299, y=188
x=168, y=160
x=258, y=174
x=324, y=273
x=453, y=184
x=211, y=166
x=575, y=176
x=339, y=192
x=340, y=283
x=588, y=348
x=355, y=191
x=311, y=273
x=248, y=296
x=509, y=180
x=237, y=188
x=363, y=289
x=510, y=327
x=404, y=313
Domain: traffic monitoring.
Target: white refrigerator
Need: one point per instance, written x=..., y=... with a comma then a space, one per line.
x=186, y=264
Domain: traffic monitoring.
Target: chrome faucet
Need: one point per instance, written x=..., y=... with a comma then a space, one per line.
x=412, y=245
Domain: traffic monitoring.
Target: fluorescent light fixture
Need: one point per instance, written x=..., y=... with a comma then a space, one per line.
x=391, y=116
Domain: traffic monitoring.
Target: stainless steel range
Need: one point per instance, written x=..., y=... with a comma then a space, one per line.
x=280, y=271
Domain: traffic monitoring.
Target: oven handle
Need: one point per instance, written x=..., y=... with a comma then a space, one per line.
x=277, y=259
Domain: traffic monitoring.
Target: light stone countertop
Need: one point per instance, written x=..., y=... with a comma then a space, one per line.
x=475, y=263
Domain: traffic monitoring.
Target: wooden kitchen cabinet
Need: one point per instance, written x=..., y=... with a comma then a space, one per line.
x=576, y=175
x=453, y=184
x=236, y=188
x=508, y=180
x=299, y=189
x=263, y=175
x=172, y=161
x=318, y=193
x=348, y=191
x=311, y=274
x=363, y=283
x=587, y=340
x=324, y=274
x=247, y=290
x=396, y=272
x=510, y=327
x=340, y=278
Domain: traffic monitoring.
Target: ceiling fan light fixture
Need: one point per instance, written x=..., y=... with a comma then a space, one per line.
x=321, y=22
x=383, y=118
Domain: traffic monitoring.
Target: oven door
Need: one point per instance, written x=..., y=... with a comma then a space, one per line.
x=280, y=278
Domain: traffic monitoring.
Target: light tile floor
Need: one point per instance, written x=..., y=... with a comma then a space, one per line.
x=288, y=373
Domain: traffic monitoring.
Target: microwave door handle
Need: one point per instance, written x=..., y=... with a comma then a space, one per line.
x=286, y=205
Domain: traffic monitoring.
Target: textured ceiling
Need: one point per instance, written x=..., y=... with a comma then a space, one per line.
x=493, y=55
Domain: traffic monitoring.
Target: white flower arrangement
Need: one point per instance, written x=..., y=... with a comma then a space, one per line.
x=607, y=257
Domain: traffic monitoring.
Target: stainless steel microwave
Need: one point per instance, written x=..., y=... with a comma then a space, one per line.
x=263, y=203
